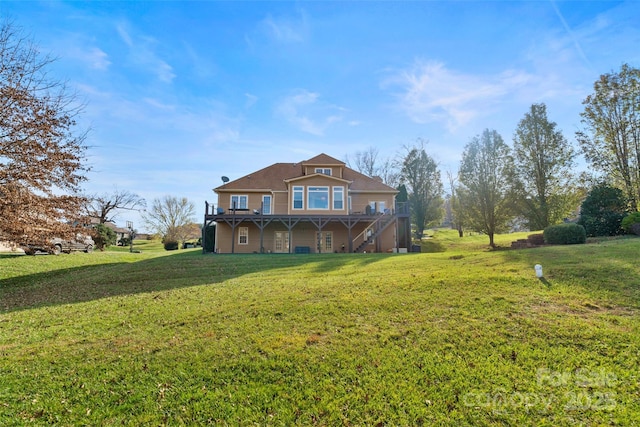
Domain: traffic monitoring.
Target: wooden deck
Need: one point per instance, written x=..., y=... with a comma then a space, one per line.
x=234, y=217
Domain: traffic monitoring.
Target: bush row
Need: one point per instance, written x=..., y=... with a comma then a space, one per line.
x=631, y=223
x=565, y=234
x=171, y=245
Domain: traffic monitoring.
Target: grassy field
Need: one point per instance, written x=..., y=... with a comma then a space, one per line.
x=457, y=336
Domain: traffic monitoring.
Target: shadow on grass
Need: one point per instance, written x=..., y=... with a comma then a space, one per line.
x=179, y=270
x=608, y=271
x=432, y=246
x=545, y=282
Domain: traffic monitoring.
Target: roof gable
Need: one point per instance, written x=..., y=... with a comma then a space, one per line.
x=323, y=160
x=276, y=177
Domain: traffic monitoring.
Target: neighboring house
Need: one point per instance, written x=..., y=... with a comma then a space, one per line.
x=319, y=205
x=121, y=233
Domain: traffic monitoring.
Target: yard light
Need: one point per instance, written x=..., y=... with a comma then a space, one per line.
x=538, y=269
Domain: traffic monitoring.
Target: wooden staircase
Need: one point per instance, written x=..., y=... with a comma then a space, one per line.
x=372, y=231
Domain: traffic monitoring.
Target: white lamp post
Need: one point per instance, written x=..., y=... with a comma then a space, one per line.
x=538, y=269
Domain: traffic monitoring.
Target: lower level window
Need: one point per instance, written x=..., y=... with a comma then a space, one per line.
x=243, y=235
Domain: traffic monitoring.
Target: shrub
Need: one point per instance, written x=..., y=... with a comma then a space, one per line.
x=565, y=234
x=631, y=223
x=602, y=211
x=103, y=236
x=171, y=245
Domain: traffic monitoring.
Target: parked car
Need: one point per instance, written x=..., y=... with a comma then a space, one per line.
x=82, y=243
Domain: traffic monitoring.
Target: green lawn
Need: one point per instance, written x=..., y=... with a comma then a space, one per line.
x=457, y=336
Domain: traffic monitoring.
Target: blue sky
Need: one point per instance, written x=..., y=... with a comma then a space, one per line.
x=179, y=94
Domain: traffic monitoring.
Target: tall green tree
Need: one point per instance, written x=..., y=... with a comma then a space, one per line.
x=611, y=138
x=421, y=177
x=543, y=161
x=602, y=211
x=485, y=178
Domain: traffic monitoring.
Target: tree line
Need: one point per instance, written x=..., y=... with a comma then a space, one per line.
x=532, y=182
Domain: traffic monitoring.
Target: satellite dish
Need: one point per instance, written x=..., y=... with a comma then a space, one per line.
x=225, y=179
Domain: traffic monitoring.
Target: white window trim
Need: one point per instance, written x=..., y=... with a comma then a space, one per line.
x=309, y=198
x=243, y=232
x=334, y=199
x=324, y=171
x=270, y=204
x=293, y=194
x=239, y=196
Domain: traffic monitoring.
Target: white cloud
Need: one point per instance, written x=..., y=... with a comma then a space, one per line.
x=570, y=32
x=97, y=59
x=286, y=30
x=299, y=108
x=251, y=100
x=124, y=34
x=164, y=71
x=159, y=104
x=202, y=66
x=429, y=92
x=142, y=53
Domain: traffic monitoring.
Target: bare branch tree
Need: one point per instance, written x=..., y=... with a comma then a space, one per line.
x=168, y=214
x=185, y=232
x=367, y=163
x=105, y=207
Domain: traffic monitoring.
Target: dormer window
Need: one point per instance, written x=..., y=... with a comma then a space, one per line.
x=325, y=171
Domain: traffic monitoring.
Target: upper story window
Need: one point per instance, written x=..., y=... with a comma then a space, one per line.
x=239, y=202
x=378, y=207
x=338, y=198
x=326, y=171
x=318, y=197
x=266, y=205
x=298, y=193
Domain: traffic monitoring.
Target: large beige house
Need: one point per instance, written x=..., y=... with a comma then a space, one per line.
x=315, y=206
